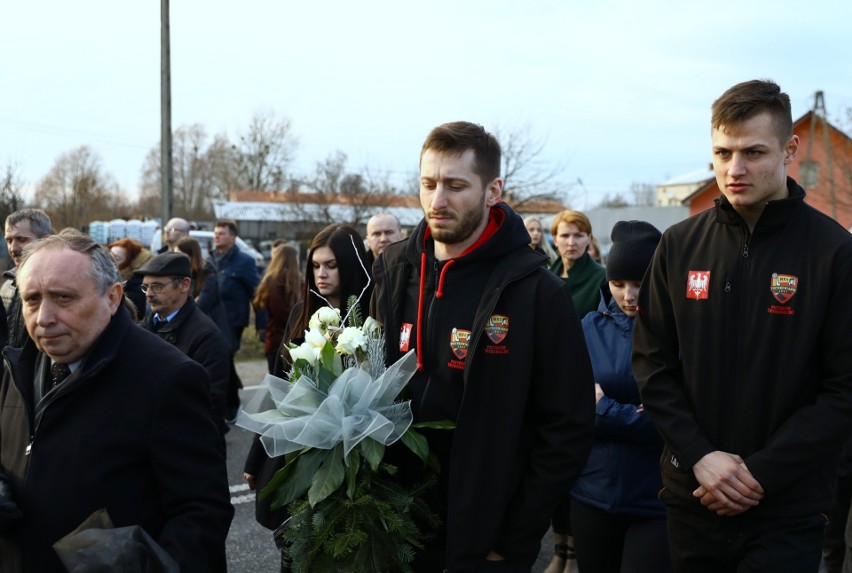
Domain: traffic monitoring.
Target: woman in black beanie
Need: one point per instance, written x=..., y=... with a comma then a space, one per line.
x=619, y=525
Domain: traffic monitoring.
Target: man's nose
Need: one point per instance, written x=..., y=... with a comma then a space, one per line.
x=737, y=166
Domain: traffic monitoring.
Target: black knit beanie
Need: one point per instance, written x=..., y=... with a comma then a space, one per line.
x=633, y=246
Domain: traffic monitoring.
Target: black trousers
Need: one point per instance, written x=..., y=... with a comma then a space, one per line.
x=232, y=398
x=702, y=542
x=611, y=543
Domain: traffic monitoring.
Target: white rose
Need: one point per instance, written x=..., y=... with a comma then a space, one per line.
x=304, y=352
x=350, y=340
x=315, y=338
x=323, y=318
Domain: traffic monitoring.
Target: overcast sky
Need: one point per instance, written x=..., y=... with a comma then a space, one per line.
x=620, y=89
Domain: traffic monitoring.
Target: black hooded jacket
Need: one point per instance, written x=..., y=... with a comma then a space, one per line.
x=501, y=352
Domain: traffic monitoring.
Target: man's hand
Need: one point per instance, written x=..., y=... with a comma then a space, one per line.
x=250, y=481
x=494, y=556
x=727, y=487
x=599, y=393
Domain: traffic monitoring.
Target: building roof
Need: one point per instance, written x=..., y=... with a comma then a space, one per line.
x=697, y=176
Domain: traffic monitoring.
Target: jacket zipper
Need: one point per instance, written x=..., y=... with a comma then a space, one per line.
x=428, y=333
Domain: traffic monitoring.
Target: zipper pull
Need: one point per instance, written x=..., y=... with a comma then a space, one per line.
x=29, y=446
x=727, y=286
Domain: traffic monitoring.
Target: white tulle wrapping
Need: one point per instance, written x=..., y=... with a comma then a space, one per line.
x=290, y=417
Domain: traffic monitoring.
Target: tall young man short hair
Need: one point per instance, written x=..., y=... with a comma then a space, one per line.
x=743, y=356
x=500, y=352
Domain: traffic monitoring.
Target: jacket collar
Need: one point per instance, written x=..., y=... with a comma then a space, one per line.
x=775, y=214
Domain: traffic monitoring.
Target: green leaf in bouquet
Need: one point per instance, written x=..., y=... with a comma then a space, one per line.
x=293, y=480
x=353, y=465
x=325, y=378
x=436, y=425
x=329, y=477
x=330, y=360
x=373, y=452
x=416, y=442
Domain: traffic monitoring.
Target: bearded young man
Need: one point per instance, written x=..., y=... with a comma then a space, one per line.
x=743, y=355
x=500, y=352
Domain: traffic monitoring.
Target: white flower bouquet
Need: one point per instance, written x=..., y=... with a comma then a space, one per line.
x=332, y=419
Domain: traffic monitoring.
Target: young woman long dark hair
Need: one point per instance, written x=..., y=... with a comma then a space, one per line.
x=335, y=271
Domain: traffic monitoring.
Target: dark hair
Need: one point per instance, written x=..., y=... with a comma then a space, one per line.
x=191, y=248
x=230, y=224
x=457, y=137
x=39, y=221
x=348, y=248
x=748, y=99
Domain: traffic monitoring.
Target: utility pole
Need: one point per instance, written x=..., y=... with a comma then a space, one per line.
x=166, y=173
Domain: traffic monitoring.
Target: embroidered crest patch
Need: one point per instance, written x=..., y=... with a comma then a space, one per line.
x=405, y=336
x=497, y=328
x=698, y=285
x=783, y=287
x=459, y=340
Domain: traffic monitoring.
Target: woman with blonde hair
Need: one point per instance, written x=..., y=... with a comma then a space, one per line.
x=278, y=292
x=538, y=242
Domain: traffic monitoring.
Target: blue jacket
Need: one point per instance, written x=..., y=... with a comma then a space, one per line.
x=622, y=474
x=237, y=280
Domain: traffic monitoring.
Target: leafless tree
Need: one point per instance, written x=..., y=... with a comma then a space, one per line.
x=616, y=201
x=196, y=169
x=644, y=194
x=77, y=190
x=11, y=186
x=264, y=152
x=527, y=174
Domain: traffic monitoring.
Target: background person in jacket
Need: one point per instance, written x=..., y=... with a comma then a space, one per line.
x=619, y=524
x=205, y=286
x=128, y=430
x=175, y=318
x=237, y=280
x=382, y=230
x=279, y=290
x=500, y=352
x=129, y=255
x=743, y=356
x=572, y=234
x=22, y=228
x=176, y=229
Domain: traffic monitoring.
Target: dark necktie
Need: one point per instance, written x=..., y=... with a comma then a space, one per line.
x=58, y=373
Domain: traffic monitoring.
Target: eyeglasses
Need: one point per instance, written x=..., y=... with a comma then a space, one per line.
x=176, y=230
x=156, y=287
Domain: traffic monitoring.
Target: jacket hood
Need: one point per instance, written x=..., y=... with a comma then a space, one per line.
x=505, y=232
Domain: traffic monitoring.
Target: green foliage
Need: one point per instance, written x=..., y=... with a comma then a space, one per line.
x=355, y=319
x=376, y=529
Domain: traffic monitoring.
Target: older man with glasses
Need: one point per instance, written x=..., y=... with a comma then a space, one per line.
x=175, y=318
x=176, y=229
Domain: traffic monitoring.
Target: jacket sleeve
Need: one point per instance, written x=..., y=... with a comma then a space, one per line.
x=188, y=460
x=209, y=296
x=562, y=406
x=817, y=430
x=212, y=352
x=624, y=422
x=657, y=367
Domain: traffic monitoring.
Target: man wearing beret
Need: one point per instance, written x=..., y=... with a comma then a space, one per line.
x=100, y=414
x=175, y=318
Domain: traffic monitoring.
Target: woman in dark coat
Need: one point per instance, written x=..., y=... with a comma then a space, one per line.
x=336, y=270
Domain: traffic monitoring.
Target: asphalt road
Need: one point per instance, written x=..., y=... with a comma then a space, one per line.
x=250, y=547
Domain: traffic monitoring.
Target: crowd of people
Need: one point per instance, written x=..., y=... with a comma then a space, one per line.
x=680, y=405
